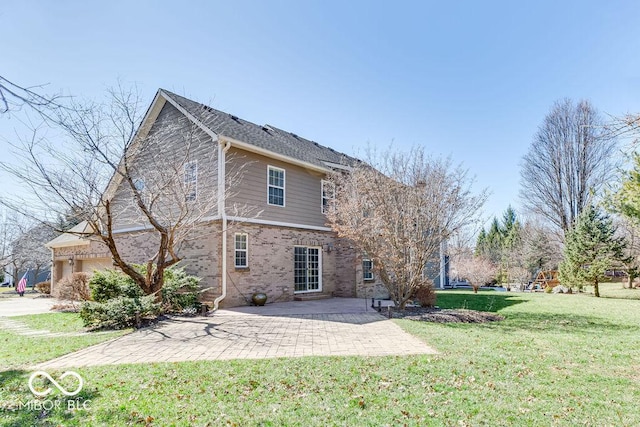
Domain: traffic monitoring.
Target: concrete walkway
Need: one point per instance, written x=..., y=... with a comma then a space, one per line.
x=20, y=328
x=311, y=328
x=18, y=306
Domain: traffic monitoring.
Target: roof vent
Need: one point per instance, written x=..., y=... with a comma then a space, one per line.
x=267, y=128
x=234, y=118
x=207, y=108
x=293, y=135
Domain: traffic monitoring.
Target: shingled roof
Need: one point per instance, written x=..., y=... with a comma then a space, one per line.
x=266, y=137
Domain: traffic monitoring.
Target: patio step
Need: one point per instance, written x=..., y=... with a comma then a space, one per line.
x=311, y=297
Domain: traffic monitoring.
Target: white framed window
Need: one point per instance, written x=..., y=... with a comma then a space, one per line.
x=138, y=184
x=241, y=254
x=191, y=180
x=367, y=269
x=328, y=196
x=307, y=269
x=275, y=186
x=141, y=188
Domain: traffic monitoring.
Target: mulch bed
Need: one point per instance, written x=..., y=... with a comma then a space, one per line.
x=437, y=315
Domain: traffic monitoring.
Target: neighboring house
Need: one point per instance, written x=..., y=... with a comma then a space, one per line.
x=284, y=248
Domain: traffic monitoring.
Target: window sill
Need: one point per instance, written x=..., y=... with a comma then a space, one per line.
x=242, y=269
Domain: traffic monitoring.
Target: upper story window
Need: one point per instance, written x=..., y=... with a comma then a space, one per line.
x=191, y=180
x=138, y=183
x=275, y=186
x=328, y=196
x=140, y=187
x=241, y=250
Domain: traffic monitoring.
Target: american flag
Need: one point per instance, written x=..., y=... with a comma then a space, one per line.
x=22, y=284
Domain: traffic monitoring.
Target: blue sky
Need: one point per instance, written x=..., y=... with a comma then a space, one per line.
x=471, y=80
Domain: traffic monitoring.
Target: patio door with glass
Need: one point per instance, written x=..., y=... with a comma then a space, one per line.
x=307, y=269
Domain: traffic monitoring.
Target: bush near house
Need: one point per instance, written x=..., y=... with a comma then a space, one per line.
x=43, y=287
x=118, y=302
x=120, y=312
x=425, y=295
x=75, y=287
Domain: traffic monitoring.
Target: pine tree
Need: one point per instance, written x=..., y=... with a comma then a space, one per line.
x=591, y=248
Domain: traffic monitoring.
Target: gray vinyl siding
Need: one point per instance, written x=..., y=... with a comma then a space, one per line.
x=303, y=200
x=172, y=141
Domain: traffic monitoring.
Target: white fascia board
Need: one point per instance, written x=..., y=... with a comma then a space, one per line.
x=143, y=130
x=277, y=223
x=264, y=152
x=68, y=244
x=190, y=116
x=132, y=229
x=338, y=166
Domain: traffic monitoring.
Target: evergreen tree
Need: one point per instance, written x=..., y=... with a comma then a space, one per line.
x=591, y=248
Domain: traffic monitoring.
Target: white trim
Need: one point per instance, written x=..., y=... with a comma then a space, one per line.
x=190, y=116
x=146, y=124
x=373, y=276
x=319, y=248
x=264, y=152
x=338, y=166
x=284, y=185
x=245, y=250
x=239, y=219
x=278, y=223
x=80, y=242
x=136, y=228
x=322, y=198
x=184, y=179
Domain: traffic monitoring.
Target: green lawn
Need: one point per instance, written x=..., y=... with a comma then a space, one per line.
x=555, y=360
x=17, y=351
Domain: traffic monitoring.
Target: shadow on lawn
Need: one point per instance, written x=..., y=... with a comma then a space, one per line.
x=483, y=301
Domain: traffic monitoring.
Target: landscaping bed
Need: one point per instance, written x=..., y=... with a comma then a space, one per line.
x=438, y=315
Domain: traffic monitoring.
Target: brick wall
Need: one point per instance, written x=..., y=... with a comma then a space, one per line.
x=271, y=258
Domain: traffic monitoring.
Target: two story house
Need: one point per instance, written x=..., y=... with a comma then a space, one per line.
x=267, y=230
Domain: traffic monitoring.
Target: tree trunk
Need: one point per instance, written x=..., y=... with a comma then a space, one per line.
x=630, y=279
x=596, y=290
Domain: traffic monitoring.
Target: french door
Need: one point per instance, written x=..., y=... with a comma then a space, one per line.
x=307, y=269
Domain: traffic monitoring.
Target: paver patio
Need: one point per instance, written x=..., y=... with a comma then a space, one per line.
x=308, y=329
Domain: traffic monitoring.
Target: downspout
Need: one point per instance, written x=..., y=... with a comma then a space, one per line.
x=52, y=272
x=222, y=212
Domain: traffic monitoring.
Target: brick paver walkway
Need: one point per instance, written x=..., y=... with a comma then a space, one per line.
x=237, y=335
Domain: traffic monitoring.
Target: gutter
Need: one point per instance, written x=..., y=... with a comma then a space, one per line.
x=222, y=213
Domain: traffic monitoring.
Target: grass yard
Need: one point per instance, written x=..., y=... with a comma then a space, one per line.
x=17, y=351
x=555, y=360
x=615, y=290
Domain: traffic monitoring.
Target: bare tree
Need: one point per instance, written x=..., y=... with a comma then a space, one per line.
x=570, y=159
x=14, y=96
x=476, y=269
x=107, y=172
x=23, y=244
x=399, y=209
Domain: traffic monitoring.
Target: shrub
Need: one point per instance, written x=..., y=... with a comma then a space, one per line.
x=120, y=312
x=180, y=291
x=425, y=295
x=75, y=287
x=43, y=287
x=109, y=284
